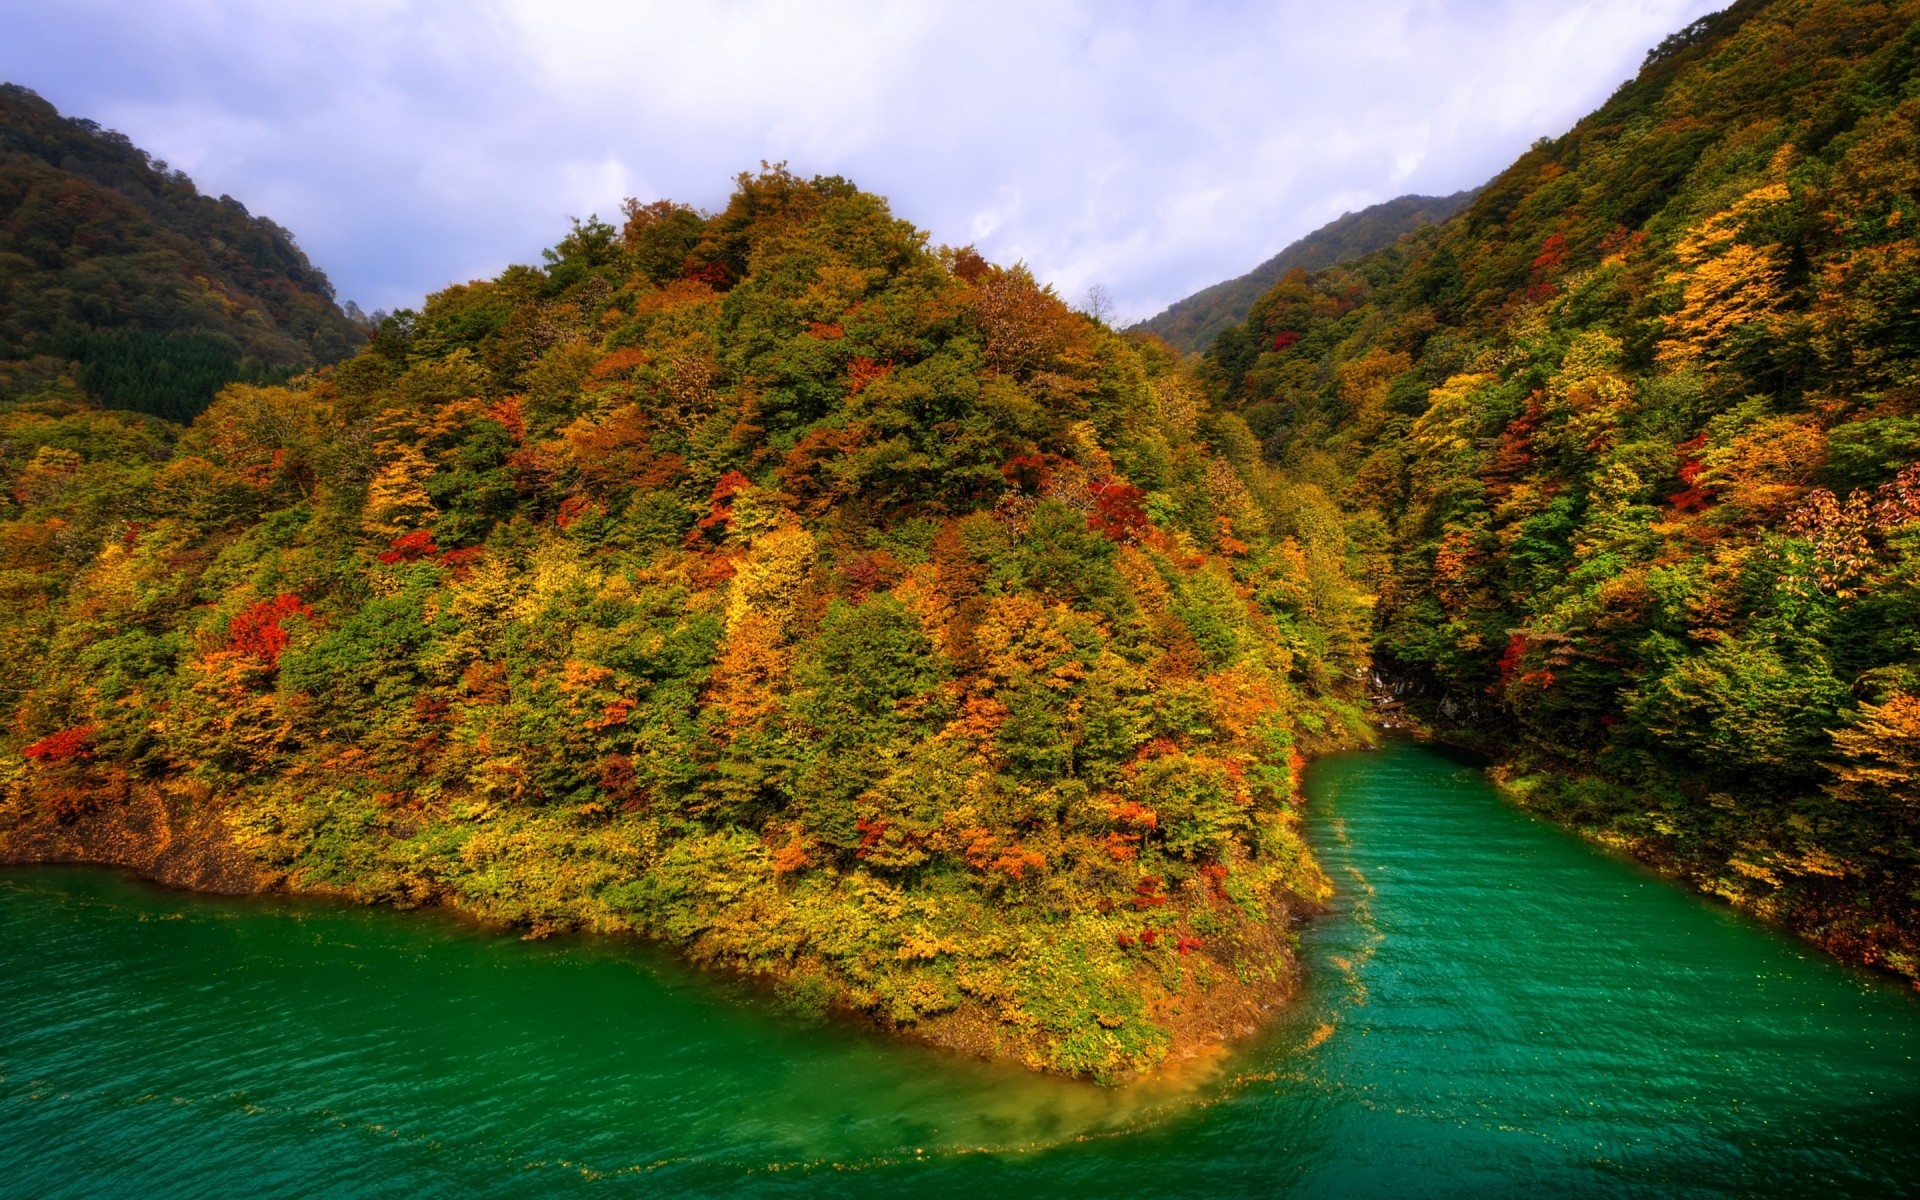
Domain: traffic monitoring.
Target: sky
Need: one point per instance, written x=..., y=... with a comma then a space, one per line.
x=1148, y=149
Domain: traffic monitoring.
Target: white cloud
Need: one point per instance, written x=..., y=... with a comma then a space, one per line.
x=1150, y=148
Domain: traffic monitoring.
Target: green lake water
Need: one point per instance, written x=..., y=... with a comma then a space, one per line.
x=1493, y=1008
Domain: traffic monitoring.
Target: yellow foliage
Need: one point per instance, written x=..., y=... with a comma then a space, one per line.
x=556, y=580
x=397, y=501
x=753, y=668
x=1363, y=387
x=1726, y=285
x=1767, y=468
x=1448, y=426
x=768, y=580
x=1881, y=753
x=1149, y=590
x=1024, y=636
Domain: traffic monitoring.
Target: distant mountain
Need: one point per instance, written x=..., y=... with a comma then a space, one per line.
x=120, y=280
x=1193, y=323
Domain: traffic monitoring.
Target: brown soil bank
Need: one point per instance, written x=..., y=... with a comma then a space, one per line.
x=157, y=839
x=1204, y=994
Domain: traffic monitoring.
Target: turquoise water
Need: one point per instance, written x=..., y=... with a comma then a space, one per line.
x=1494, y=1008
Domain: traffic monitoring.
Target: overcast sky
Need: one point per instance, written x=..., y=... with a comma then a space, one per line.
x=1149, y=148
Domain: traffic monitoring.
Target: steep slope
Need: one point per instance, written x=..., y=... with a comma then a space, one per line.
x=1193, y=323
x=1631, y=447
x=121, y=281
x=836, y=609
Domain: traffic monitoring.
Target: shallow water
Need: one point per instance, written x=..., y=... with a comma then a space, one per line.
x=1494, y=1008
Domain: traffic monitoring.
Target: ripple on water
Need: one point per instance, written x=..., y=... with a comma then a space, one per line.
x=1493, y=1008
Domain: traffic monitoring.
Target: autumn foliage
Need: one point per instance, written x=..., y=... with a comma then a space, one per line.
x=259, y=632
x=765, y=581
x=1630, y=452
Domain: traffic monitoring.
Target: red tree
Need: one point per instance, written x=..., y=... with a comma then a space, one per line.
x=257, y=631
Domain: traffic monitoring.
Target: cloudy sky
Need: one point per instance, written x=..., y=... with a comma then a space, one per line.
x=1151, y=148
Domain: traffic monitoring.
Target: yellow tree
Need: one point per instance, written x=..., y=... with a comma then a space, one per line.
x=1881, y=754
x=397, y=500
x=1727, y=285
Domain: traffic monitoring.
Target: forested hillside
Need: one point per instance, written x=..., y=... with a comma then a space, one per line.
x=1632, y=448
x=120, y=281
x=1193, y=324
x=836, y=608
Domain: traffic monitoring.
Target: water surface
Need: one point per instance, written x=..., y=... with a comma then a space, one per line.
x=1494, y=1008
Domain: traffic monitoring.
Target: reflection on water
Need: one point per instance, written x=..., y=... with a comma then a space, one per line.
x=1494, y=1008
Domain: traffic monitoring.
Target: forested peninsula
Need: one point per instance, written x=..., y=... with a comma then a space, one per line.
x=836, y=608
x=849, y=612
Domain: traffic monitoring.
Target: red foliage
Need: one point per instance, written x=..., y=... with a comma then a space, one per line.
x=1228, y=543
x=63, y=746
x=1510, y=661
x=863, y=371
x=1187, y=945
x=571, y=510
x=1118, y=510
x=621, y=785
x=871, y=833
x=872, y=572
x=1149, y=893
x=256, y=632
x=132, y=536
x=1899, y=501
x=714, y=275
x=1695, y=498
x=1513, y=458
x=803, y=474
x=1149, y=935
x=509, y=414
x=1030, y=472
x=1135, y=814
x=620, y=363
x=1214, y=875
x=1285, y=339
x=719, y=509
x=1622, y=241
x=1553, y=256
x=1158, y=747
x=826, y=331
x=410, y=547
x=969, y=265
x=1017, y=861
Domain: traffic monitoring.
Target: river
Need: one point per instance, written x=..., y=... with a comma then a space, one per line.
x=1494, y=1008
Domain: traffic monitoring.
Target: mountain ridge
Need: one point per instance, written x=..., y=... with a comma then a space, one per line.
x=125, y=283
x=1192, y=323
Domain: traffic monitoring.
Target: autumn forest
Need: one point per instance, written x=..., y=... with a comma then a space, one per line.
x=851, y=612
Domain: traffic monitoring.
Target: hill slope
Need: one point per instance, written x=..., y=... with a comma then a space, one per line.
x=120, y=280
x=1193, y=323
x=1633, y=448
x=836, y=609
